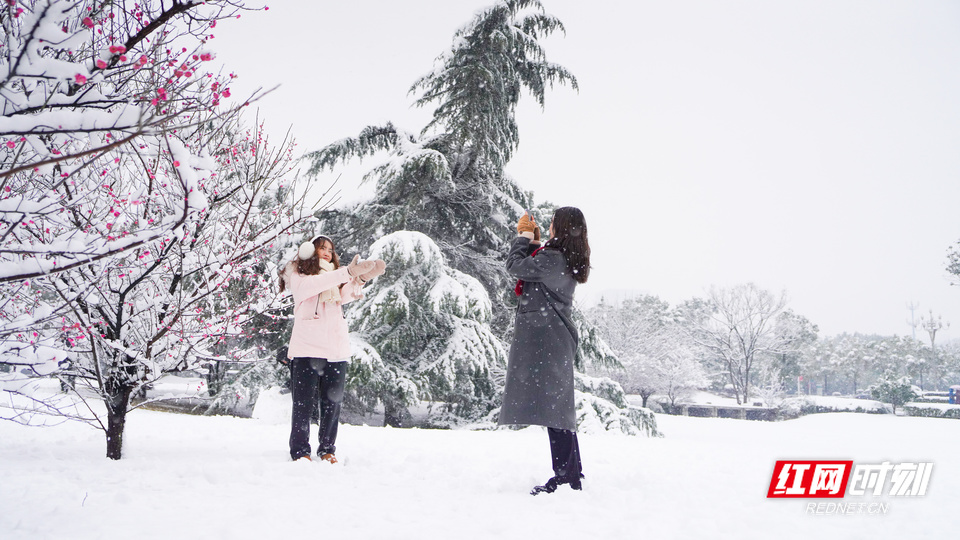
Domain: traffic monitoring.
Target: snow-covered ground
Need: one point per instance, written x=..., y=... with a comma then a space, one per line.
x=229, y=478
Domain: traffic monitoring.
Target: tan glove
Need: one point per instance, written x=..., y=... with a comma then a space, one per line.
x=357, y=267
x=379, y=267
x=526, y=224
x=536, y=235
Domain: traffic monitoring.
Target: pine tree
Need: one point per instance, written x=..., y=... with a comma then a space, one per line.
x=448, y=183
x=429, y=323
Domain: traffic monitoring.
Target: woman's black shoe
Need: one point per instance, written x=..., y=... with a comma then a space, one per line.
x=555, y=482
x=549, y=487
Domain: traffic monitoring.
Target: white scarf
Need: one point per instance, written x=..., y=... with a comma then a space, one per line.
x=329, y=295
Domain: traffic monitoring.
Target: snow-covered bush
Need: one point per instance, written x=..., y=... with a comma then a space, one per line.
x=931, y=410
x=601, y=405
x=893, y=389
x=601, y=387
x=595, y=414
x=796, y=407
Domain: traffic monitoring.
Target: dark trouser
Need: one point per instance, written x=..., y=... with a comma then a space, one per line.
x=565, y=451
x=306, y=375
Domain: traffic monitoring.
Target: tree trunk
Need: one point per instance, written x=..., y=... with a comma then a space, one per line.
x=746, y=387
x=392, y=414
x=116, y=401
x=733, y=383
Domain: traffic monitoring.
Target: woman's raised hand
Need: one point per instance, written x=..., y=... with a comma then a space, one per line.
x=526, y=224
x=379, y=267
x=358, y=267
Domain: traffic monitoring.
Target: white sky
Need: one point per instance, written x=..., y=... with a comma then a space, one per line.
x=807, y=146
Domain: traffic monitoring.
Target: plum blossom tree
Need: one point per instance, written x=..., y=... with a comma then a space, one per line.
x=170, y=305
x=91, y=90
x=135, y=208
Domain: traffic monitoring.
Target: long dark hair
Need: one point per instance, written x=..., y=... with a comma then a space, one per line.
x=570, y=237
x=311, y=266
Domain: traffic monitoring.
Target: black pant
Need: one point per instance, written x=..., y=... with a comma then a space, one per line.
x=306, y=375
x=565, y=451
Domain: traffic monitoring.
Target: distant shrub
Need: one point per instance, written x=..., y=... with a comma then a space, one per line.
x=801, y=406
x=894, y=389
x=918, y=409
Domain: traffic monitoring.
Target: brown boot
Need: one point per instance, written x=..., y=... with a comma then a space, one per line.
x=329, y=457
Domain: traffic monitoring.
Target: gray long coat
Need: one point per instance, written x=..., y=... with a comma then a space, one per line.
x=539, y=388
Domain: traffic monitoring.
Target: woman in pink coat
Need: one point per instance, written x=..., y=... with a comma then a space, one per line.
x=320, y=343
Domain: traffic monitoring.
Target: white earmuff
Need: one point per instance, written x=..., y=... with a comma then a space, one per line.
x=306, y=250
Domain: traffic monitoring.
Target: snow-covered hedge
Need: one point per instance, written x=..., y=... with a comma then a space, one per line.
x=602, y=406
x=595, y=415
x=932, y=410
x=796, y=407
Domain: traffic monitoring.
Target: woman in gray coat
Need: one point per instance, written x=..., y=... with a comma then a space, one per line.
x=539, y=387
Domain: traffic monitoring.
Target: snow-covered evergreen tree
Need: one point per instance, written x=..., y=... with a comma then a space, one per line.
x=447, y=182
x=849, y=363
x=893, y=389
x=429, y=326
x=953, y=263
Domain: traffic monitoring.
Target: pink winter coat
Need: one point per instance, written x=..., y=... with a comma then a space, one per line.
x=319, y=329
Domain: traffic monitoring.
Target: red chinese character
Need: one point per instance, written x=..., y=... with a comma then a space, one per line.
x=809, y=479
